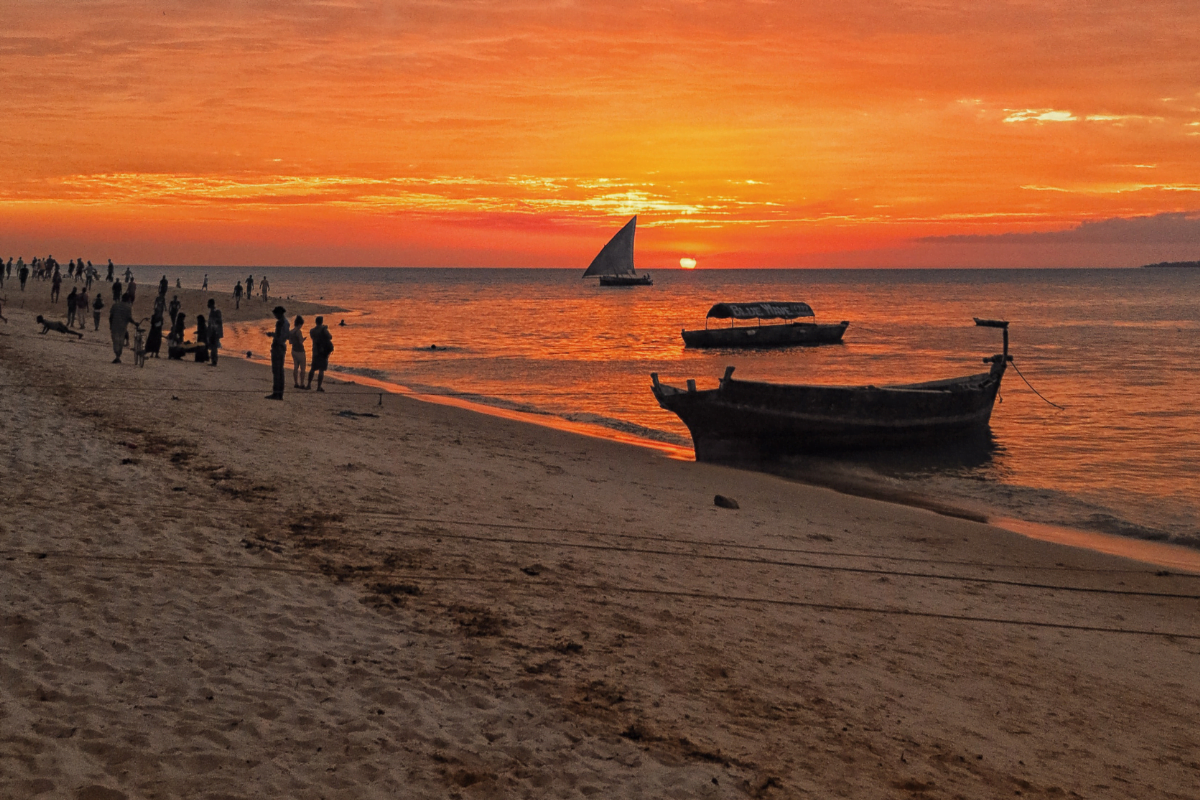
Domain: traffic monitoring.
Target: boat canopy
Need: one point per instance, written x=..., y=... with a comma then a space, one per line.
x=760, y=311
x=617, y=256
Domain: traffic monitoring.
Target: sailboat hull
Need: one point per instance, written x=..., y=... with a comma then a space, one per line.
x=626, y=280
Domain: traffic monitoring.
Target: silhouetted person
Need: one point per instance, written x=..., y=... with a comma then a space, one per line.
x=97, y=307
x=71, y=295
x=237, y=295
x=265, y=286
x=154, y=338
x=249, y=287
x=175, y=338
x=201, y=340
x=298, y=355
x=173, y=309
x=279, y=343
x=47, y=325
x=205, y=284
x=119, y=317
x=22, y=275
x=118, y=290
x=162, y=285
x=216, y=331
x=55, y=285
x=109, y=277
x=322, y=346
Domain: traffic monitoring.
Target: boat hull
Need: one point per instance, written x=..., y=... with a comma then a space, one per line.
x=744, y=419
x=626, y=280
x=790, y=335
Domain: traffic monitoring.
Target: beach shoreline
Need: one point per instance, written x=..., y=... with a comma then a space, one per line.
x=356, y=595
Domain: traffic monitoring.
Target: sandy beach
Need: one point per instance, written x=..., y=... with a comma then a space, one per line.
x=344, y=595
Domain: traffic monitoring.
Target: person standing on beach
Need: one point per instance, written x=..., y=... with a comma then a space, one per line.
x=322, y=345
x=81, y=308
x=22, y=273
x=109, y=279
x=237, y=296
x=97, y=307
x=205, y=284
x=173, y=309
x=279, y=343
x=55, y=285
x=249, y=288
x=298, y=355
x=131, y=290
x=71, y=307
x=216, y=331
x=265, y=286
x=119, y=317
x=163, y=285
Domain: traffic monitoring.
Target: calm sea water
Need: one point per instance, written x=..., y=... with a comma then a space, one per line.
x=1117, y=349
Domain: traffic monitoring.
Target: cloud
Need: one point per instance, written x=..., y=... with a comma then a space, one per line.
x=1181, y=227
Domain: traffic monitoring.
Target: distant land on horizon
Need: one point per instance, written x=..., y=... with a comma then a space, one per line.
x=1173, y=265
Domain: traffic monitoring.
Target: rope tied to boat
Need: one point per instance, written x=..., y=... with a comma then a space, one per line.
x=1030, y=385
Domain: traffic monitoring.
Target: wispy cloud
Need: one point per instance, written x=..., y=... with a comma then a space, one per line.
x=1156, y=229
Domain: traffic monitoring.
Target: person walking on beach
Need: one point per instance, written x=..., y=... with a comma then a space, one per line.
x=55, y=286
x=298, y=355
x=237, y=296
x=249, y=288
x=216, y=331
x=279, y=343
x=128, y=275
x=22, y=273
x=163, y=285
x=119, y=317
x=205, y=284
x=322, y=345
x=265, y=284
x=109, y=278
x=97, y=307
x=131, y=290
x=47, y=325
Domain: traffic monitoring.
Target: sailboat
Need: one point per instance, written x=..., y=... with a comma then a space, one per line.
x=614, y=263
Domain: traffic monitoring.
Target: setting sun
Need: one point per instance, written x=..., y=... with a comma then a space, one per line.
x=687, y=263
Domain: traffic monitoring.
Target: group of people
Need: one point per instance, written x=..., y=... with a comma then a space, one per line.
x=209, y=330
x=248, y=292
x=48, y=269
x=293, y=334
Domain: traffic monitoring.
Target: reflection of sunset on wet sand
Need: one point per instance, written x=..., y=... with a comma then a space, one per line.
x=422, y=133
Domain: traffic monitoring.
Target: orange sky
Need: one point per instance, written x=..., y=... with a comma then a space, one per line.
x=524, y=132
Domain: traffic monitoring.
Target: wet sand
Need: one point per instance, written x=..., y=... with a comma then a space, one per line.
x=209, y=595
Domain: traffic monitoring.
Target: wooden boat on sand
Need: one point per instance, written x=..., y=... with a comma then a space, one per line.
x=787, y=334
x=741, y=419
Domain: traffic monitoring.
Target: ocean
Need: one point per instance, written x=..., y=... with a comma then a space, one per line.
x=1115, y=349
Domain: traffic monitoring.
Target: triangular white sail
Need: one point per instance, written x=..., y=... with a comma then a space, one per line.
x=617, y=256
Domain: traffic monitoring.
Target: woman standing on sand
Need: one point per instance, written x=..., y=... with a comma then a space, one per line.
x=299, y=357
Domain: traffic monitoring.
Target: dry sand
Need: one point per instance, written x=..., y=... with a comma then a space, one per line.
x=207, y=595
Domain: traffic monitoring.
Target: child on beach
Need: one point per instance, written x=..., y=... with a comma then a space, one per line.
x=296, y=337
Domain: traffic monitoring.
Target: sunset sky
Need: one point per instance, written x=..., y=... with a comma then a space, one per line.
x=523, y=133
